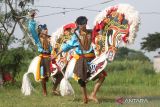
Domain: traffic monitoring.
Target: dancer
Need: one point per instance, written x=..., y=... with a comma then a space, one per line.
x=44, y=48
x=81, y=41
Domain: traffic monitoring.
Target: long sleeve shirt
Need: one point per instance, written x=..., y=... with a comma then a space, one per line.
x=32, y=28
x=74, y=43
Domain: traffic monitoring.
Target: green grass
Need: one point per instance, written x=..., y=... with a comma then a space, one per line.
x=125, y=79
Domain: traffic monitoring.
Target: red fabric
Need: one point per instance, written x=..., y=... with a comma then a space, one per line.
x=51, y=67
x=53, y=61
x=71, y=25
x=7, y=77
x=104, y=74
x=111, y=10
x=124, y=38
x=96, y=29
x=71, y=57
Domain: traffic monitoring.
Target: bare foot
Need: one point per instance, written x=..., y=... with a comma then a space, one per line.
x=93, y=98
x=85, y=100
x=44, y=94
x=56, y=92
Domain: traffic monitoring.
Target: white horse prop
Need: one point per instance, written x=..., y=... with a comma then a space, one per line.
x=113, y=26
x=61, y=35
x=26, y=84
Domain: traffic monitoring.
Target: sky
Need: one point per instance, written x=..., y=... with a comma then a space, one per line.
x=149, y=22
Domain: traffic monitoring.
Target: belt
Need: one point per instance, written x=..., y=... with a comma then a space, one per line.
x=44, y=55
x=89, y=55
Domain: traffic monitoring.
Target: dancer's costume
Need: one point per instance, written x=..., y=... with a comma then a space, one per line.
x=114, y=25
x=44, y=48
x=84, y=52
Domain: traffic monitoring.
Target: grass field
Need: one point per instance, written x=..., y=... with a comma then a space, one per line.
x=127, y=79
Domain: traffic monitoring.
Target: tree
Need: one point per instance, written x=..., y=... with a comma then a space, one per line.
x=12, y=15
x=12, y=60
x=151, y=43
x=129, y=54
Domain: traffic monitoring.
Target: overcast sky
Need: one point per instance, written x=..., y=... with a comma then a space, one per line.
x=149, y=22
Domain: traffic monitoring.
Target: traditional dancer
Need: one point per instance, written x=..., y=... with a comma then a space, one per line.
x=114, y=25
x=41, y=65
x=44, y=48
x=45, y=57
x=81, y=41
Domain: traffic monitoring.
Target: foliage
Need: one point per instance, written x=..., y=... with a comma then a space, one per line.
x=125, y=53
x=11, y=16
x=12, y=59
x=152, y=42
x=137, y=66
x=4, y=40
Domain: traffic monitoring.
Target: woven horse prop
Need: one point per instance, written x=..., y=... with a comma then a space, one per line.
x=113, y=26
x=63, y=34
x=34, y=68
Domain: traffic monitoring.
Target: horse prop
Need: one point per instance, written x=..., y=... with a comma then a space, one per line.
x=63, y=34
x=113, y=26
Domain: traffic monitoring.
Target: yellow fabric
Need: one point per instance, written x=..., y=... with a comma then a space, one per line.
x=44, y=55
x=53, y=53
x=75, y=77
x=38, y=75
x=89, y=55
x=76, y=56
x=38, y=70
